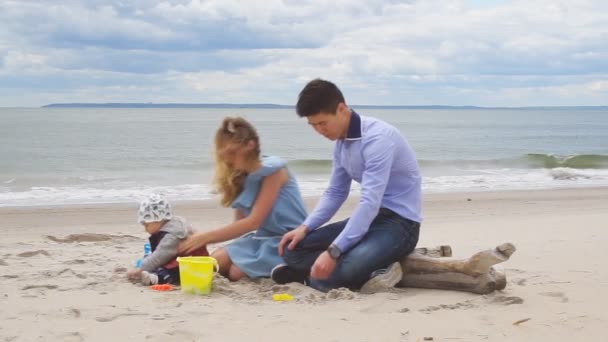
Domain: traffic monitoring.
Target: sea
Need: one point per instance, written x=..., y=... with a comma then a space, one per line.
x=62, y=156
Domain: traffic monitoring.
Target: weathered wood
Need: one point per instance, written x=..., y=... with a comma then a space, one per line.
x=435, y=252
x=482, y=284
x=500, y=277
x=477, y=264
x=474, y=274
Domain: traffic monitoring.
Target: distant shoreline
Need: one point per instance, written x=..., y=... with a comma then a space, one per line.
x=279, y=106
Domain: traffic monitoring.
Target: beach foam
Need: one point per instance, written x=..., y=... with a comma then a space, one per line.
x=473, y=180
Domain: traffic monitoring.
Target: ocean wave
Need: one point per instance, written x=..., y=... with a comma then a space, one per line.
x=87, y=195
x=310, y=165
x=310, y=185
x=569, y=174
x=527, y=161
x=581, y=161
x=517, y=179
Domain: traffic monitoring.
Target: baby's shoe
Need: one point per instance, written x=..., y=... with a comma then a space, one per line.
x=148, y=278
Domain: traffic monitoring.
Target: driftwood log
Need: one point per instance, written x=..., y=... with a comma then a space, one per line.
x=434, y=268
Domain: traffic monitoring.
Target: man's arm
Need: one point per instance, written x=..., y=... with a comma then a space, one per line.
x=333, y=197
x=378, y=153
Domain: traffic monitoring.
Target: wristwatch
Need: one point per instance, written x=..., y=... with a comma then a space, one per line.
x=334, y=251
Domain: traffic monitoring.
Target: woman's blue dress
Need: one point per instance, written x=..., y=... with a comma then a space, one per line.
x=256, y=253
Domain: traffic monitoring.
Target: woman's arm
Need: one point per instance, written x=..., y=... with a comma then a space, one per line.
x=269, y=191
x=238, y=215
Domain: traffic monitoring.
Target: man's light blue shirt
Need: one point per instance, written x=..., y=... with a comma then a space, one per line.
x=376, y=155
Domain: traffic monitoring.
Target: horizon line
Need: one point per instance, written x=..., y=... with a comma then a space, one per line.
x=272, y=105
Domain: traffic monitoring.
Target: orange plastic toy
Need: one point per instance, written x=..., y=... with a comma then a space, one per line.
x=162, y=287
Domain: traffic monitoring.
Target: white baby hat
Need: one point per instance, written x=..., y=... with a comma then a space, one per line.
x=155, y=208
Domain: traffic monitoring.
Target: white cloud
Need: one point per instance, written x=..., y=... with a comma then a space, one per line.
x=461, y=52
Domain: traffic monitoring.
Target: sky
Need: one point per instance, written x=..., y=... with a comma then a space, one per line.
x=391, y=52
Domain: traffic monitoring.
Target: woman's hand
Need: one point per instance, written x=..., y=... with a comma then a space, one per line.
x=192, y=243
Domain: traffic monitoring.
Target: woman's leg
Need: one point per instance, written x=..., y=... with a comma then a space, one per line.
x=223, y=261
x=235, y=273
x=227, y=268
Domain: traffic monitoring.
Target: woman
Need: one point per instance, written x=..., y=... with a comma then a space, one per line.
x=265, y=197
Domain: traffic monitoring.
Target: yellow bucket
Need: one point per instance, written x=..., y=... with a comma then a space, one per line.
x=196, y=273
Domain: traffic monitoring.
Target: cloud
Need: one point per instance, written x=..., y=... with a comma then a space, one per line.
x=461, y=52
x=196, y=25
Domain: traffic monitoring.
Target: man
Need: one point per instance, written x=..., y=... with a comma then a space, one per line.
x=363, y=251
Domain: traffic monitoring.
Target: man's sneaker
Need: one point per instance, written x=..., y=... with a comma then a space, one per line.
x=384, y=279
x=148, y=278
x=283, y=274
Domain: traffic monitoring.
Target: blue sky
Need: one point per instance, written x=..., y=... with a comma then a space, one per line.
x=449, y=52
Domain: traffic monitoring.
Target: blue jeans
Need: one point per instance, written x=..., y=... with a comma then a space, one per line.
x=390, y=237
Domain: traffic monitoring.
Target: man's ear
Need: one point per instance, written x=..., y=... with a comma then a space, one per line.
x=342, y=108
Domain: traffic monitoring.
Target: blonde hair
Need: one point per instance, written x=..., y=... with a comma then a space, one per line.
x=229, y=181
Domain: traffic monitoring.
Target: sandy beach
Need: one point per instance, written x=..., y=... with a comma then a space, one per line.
x=59, y=282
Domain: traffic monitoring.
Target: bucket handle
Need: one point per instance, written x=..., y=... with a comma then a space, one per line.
x=216, y=265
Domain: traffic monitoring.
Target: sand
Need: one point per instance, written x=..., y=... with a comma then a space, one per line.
x=62, y=279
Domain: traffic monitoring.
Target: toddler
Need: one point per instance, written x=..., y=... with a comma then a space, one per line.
x=166, y=232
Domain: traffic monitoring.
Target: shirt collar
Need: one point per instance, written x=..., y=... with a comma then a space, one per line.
x=354, y=127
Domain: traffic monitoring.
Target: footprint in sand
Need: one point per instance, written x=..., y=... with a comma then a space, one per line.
x=75, y=312
x=521, y=282
x=88, y=285
x=88, y=237
x=515, y=270
x=557, y=295
x=72, y=336
x=456, y=306
x=111, y=318
x=175, y=335
x=507, y=300
x=182, y=334
x=69, y=270
x=33, y=253
x=75, y=262
x=48, y=287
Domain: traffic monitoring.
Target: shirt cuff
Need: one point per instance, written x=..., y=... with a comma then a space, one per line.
x=310, y=224
x=342, y=244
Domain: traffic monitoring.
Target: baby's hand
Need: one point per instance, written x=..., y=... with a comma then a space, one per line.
x=134, y=273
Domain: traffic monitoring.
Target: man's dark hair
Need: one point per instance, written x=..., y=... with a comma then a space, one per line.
x=318, y=96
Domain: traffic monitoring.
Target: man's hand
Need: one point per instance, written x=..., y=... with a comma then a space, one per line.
x=323, y=266
x=192, y=243
x=292, y=237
